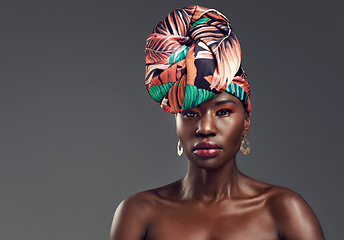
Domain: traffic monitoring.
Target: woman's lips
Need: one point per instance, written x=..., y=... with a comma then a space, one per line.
x=206, y=149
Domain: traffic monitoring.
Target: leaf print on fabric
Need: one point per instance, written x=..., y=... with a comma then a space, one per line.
x=192, y=56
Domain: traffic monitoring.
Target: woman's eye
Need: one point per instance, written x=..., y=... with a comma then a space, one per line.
x=224, y=112
x=191, y=114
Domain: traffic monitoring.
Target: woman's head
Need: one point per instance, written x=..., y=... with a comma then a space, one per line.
x=193, y=56
x=213, y=130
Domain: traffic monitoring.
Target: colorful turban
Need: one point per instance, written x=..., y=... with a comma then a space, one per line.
x=192, y=56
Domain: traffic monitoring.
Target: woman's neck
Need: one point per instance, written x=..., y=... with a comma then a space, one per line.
x=210, y=185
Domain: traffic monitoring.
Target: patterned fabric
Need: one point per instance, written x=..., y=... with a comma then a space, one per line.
x=192, y=56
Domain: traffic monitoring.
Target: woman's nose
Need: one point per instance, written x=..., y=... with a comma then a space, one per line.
x=206, y=126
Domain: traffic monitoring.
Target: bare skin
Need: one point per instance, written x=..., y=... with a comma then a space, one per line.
x=215, y=201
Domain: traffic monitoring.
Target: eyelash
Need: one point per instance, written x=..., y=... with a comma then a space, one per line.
x=191, y=114
x=221, y=112
x=224, y=112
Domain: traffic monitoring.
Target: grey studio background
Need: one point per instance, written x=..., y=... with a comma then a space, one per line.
x=79, y=133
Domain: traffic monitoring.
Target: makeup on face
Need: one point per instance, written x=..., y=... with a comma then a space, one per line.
x=211, y=132
x=221, y=108
x=207, y=149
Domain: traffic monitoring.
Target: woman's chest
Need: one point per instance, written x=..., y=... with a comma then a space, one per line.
x=213, y=223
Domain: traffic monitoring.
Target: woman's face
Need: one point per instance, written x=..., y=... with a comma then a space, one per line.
x=211, y=133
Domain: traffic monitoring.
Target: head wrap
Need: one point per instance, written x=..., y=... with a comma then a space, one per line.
x=192, y=56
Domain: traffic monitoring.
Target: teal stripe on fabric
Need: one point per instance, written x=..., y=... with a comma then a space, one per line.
x=195, y=96
x=187, y=97
x=241, y=93
x=171, y=61
x=179, y=55
x=198, y=22
x=158, y=92
x=237, y=91
x=182, y=55
x=229, y=89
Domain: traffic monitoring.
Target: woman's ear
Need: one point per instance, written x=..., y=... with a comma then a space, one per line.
x=175, y=117
x=247, y=123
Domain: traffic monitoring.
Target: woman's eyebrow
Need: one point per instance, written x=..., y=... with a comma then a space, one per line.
x=224, y=102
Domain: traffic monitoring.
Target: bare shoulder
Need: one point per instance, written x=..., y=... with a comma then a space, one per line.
x=133, y=215
x=283, y=201
x=147, y=203
x=142, y=201
x=136, y=213
x=141, y=205
x=278, y=195
x=294, y=217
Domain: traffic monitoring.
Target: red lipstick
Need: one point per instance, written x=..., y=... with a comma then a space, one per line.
x=206, y=149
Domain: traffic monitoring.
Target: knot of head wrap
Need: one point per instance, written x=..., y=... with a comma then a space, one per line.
x=192, y=56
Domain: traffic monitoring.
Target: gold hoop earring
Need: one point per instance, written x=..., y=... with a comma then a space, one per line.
x=242, y=149
x=180, y=149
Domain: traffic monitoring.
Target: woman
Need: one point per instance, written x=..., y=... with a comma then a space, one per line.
x=193, y=70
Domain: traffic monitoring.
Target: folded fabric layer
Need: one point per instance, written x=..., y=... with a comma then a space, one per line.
x=192, y=56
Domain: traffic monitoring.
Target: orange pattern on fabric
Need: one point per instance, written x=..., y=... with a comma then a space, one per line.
x=209, y=63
